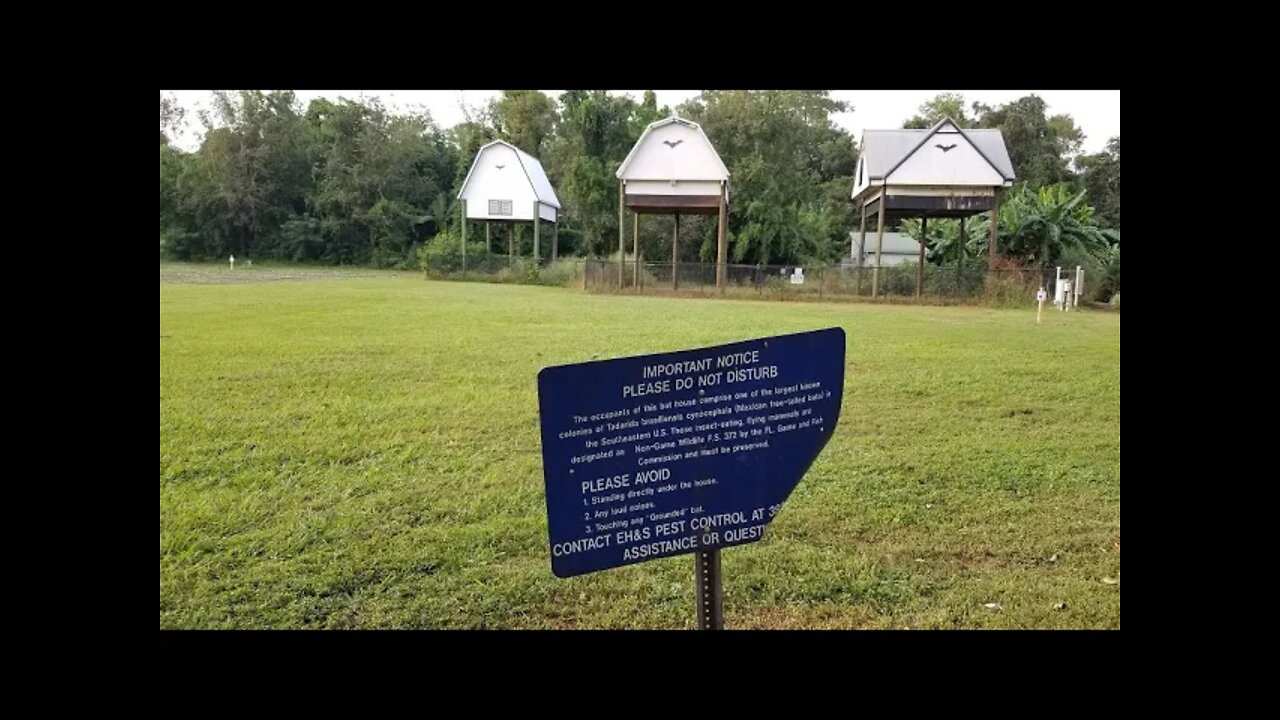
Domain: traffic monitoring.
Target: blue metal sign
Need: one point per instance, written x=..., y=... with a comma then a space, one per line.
x=659, y=455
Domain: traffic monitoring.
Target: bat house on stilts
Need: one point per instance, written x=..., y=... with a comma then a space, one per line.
x=673, y=170
x=941, y=172
x=508, y=185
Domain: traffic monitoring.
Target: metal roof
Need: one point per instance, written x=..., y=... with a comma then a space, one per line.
x=885, y=150
x=532, y=169
x=721, y=172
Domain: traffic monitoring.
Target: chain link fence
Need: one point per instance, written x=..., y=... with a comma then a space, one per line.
x=972, y=281
x=957, y=283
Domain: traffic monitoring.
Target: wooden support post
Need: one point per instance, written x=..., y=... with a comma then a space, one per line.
x=875, y=276
x=622, y=230
x=964, y=247
x=991, y=244
x=462, y=208
x=635, y=247
x=675, y=255
x=924, y=236
x=862, y=246
x=721, y=246
x=537, y=224
x=511, y=236
x=488, y=249
x=555, y=237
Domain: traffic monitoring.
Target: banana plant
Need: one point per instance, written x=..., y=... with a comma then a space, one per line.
x=943, y=246
x=1038, y=225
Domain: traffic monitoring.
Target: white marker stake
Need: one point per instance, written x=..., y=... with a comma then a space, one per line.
x=233, y=262
x=1039, y=304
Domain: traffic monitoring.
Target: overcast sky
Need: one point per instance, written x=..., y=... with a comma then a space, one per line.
x=1096, y=112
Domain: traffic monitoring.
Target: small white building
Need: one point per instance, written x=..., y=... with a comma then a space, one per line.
x=673, y=169
x=507, y=184
x=896, y=248
x=942, y=172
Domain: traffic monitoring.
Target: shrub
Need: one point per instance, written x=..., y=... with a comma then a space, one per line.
x=442, y=255
x=560, y=273
x=301, y=239
x=1011, y=285
x=180, y=244
x=1110, y=278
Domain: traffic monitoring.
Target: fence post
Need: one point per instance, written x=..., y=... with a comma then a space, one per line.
x=622, y=233
x=462, y=210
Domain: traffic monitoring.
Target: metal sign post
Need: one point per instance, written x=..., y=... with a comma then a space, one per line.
x=710, y=591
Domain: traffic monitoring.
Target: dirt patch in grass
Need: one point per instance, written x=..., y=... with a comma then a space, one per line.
x=223, y=275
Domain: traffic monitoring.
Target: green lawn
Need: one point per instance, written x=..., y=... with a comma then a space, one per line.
x=360, y=450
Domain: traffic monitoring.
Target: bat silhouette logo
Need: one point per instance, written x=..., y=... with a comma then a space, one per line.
x=672, y=144
x=945, y=148
x=499, y=166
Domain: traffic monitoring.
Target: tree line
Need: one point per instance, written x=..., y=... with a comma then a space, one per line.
x=350, y=182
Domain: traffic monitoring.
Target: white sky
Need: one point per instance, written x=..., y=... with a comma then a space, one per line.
x=1096, y=112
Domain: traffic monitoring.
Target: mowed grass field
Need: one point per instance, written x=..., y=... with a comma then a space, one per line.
x=361, y=450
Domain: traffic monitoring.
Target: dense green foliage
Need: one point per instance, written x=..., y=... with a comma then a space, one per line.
x=1100, y=175
x=348, y=182
x=1052, y=225
x=1040, y=225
